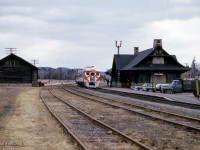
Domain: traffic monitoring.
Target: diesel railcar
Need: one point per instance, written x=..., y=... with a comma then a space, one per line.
x=88, y=77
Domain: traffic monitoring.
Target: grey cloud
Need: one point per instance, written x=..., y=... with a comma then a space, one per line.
x=90, y=26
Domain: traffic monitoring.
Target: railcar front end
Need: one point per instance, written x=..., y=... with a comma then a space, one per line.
x=88, y=77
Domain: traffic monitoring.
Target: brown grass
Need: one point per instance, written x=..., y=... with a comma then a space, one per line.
x=30, y=123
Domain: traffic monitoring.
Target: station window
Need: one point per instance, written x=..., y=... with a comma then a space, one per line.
x=12, y=63
x=8, y=63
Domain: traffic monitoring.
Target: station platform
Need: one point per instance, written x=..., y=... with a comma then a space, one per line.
x=180, y=97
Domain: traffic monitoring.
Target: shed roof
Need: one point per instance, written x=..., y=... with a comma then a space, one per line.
x=13, y=55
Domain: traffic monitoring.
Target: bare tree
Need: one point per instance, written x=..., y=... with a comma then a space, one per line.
x=195, y=69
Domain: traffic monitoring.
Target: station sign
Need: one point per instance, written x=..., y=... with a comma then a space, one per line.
x=158, y=74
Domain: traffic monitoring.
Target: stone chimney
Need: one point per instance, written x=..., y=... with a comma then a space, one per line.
x=157, y=42
x=136, y=50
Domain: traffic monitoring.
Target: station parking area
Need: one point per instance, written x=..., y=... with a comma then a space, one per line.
x=181, y=97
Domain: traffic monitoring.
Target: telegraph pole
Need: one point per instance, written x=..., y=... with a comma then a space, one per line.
x=49, y=74
x=34, y=61
x=60, y=70
x=118, y=46
x=11, y=50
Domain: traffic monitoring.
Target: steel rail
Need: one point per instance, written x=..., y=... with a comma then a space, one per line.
x=138, y=106
x=151, y=98
x=82, y=146
x=143, y=114
x=127, y=138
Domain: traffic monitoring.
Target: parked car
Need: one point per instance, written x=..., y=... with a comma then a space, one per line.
x=147, y=86
x=166, y=88
x=137, y=87
x=179, y=86
x=158, y=87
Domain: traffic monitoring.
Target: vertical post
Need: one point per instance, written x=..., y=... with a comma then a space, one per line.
x=118, y=79
x=68, y=72
x=118, y=46
x=118, y=72
x=11, y=50
x=34, y=61
x=197, y=87
x=155, y=81
x=60, y=72
x=49, y=74
x=152, y=80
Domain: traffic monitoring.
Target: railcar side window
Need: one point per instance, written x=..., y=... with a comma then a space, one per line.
x=97, y=74
x=87, y=73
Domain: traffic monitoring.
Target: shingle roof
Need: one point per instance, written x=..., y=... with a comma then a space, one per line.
x=122, y=60
x=161, y=67
x=138, y=58
x=130, y=62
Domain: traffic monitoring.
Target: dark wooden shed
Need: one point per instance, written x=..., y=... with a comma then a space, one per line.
x=151, y=65
x=14, y=69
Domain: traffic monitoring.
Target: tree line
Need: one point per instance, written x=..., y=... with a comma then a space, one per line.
x=57, y=73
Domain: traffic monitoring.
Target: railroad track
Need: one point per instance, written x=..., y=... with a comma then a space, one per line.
x=89, y=132
x=190, y=123
x=153, y=132
x=150, y=98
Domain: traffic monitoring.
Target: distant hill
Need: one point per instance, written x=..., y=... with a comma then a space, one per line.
x=57, y=73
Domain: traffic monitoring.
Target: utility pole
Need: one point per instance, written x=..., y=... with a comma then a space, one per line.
x=50, y=72
x=60, y=70
x=10, y=50
x=118, y=46
x=34, y=61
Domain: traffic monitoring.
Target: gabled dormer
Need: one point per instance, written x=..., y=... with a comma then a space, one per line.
x=158, y=54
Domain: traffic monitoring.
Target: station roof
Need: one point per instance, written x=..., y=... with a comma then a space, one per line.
x=138, y=58
x=133, y=62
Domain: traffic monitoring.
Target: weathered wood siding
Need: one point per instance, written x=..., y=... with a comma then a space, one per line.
x=16, y=70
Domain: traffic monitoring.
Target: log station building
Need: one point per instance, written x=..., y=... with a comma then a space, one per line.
x=151, y=65
x=15, y=70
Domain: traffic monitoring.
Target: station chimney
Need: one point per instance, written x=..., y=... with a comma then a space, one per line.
x=157, y=42
x=136, y=50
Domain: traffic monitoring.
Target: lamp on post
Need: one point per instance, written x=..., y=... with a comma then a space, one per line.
x=118, y=46
x=152, y=79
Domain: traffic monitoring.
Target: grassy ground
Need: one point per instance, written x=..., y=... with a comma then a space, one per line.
x=28, y=125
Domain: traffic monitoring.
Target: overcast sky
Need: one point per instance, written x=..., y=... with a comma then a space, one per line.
x=79, y=33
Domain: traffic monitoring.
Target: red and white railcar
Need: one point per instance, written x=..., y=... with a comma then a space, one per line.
x=88, y=77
